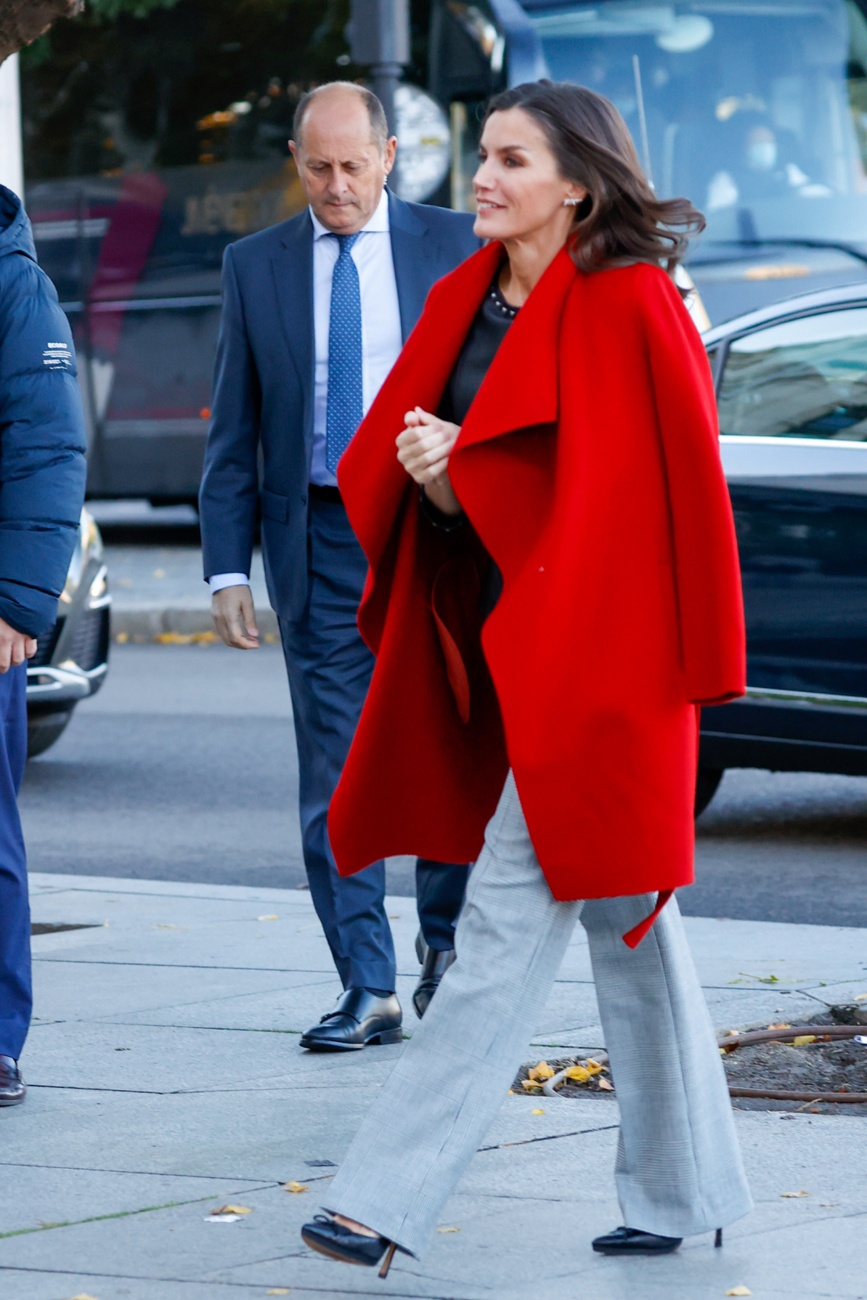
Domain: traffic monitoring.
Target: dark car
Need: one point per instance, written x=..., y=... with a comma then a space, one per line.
x=792, y=394
x=71, y=660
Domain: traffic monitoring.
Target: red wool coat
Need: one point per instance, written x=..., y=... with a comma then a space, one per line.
x=588, y=466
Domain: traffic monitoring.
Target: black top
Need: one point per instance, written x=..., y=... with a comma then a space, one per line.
x=484, y=336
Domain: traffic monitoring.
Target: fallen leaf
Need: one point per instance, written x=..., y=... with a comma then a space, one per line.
x=295, y=1187
x=605, y=1085
x=800, y=1040
x=121, y=638
x=581, y=1073
x=537, y=1112
x=271, y=917
x=739, y=1290
x=530, y=1085
x=782, y=1025
x=541, y=1071
x=277, y=1290
x=448, y=1229
x=861, y=997
x=270, y=638
x=232, y=1209
x=794, y=1195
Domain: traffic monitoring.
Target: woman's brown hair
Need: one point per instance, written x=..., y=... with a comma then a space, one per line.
x=621, y=220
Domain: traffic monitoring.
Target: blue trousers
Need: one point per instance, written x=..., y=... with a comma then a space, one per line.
x=16, y=995
x=329, y=669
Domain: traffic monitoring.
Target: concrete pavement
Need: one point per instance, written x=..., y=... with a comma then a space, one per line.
x=166, y=1080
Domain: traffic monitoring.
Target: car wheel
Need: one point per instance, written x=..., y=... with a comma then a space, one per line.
x=706, y=786
x=44, y=730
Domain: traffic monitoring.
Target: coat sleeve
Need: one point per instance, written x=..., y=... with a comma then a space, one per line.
x=228, y=497
x=707, y=570
x=42, y=448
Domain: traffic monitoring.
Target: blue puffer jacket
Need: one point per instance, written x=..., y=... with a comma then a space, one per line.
x=42, y=443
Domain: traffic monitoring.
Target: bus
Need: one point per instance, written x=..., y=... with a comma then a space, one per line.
x=155, y=139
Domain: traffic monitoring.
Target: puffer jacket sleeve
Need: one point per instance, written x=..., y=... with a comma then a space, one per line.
x=42, y=447
x=707, y=569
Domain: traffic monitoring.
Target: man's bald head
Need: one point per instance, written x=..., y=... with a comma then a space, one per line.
x=333, y=93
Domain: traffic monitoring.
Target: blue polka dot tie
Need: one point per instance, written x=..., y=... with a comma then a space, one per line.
x=345, y=406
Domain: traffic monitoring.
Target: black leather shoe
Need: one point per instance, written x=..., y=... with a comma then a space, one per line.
x=338, y=1242
x=12, y=1090
x=358, y=1019
x=632, y=1241
x=435, y=966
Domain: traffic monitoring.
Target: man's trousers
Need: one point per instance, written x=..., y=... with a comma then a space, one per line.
x=329, y=669
x=678, y=1168
x=16, y=997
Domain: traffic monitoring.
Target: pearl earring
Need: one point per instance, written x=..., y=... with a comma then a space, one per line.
x=571, y=203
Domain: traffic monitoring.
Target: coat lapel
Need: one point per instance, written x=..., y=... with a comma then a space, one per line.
x=292, y=269
x=520, y=389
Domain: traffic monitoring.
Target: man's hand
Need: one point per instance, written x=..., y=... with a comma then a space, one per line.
x=423, y=449
x=15, y=647
x=235, y=618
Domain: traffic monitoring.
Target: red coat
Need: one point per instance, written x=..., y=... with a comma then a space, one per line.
x=589, y=468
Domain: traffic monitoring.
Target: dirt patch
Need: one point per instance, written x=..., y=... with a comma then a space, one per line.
x=816, y=1067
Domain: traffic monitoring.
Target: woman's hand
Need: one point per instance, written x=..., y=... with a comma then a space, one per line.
x=423, y=449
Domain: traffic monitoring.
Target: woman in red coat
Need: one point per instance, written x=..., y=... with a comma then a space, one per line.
x=553, y=590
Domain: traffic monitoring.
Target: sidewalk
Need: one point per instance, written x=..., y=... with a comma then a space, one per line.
x=166, y=1080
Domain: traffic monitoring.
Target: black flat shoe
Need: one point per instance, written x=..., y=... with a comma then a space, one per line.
x=359, y=1019
x=338, y=1242
x=632, y=1241
x=434, y=967
x=12, y=1089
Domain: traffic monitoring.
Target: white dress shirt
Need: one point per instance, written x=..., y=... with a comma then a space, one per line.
x=381, y=338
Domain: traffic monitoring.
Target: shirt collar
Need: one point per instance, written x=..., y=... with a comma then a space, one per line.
x=378, y=222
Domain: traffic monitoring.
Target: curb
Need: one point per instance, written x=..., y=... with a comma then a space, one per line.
x=168, y=624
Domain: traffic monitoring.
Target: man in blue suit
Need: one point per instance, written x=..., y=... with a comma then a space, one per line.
x=315, y=312
x=42, y=471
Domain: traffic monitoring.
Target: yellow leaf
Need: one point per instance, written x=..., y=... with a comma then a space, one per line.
x=295, y=1187
x=530, y=1085
x=122, y=638
x=232, y=1209
x=448, y=1229
x=277, y=1290
x=537, y=1112
x=782, y=1025
x=541, y=1071
x=792, y=1196
x=578, y=1074
x=739, y=1290
x=605, y=1085
x=801, y=1039
x=861, y=997
x=271, y=917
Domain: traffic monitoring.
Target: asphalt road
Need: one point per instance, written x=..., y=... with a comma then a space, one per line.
x=184, y=768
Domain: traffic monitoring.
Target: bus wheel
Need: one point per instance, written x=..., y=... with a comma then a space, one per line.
x=706, y=786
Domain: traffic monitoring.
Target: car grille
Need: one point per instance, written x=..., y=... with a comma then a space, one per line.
x=89, y=646
x=45, y=646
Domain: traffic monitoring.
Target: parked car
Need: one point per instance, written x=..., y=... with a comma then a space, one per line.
x=71, y=660
x=792, y=394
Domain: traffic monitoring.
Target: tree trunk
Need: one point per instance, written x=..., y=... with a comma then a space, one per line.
x=21, y=21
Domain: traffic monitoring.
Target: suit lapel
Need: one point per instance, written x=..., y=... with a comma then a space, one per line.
x=413, y=253
x=292, y=269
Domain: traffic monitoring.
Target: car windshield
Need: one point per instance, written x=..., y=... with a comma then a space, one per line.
x=754, y=109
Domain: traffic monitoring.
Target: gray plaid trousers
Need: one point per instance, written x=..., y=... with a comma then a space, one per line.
x=678, y=1168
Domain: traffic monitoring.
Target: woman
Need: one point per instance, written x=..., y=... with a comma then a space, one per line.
x=553, y=590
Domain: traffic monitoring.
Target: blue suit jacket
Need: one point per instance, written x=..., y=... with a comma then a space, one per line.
x=263, y=390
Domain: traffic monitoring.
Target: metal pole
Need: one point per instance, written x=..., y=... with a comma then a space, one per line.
x=378, y=34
